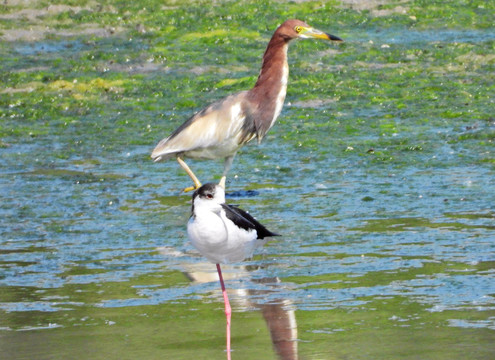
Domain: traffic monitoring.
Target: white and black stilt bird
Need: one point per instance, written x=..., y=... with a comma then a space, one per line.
x=223, y=234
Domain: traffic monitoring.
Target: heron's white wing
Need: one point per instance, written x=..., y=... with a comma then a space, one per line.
x=218, y=125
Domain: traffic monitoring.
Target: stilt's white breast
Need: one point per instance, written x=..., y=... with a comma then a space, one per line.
x=219, y=239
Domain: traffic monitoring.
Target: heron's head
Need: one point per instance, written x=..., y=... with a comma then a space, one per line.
x=293, y=29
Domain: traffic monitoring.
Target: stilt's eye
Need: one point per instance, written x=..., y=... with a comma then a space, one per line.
x=209, y=196
x=298, y=29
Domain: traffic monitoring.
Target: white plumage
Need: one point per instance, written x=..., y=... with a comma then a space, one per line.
x=220, y=232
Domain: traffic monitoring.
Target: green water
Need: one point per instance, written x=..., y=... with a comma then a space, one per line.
x=379, y=174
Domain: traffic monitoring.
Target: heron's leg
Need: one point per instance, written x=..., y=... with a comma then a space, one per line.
x=228, y=309
x=226, y=167
x=189, y=172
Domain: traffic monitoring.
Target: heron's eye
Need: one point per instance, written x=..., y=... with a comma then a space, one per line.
x=209, y=196
x=298, y=29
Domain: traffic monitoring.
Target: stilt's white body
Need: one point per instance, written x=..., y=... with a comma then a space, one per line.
x=215, y=236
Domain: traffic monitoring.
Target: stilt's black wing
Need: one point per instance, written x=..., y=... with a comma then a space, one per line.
x=243, y=220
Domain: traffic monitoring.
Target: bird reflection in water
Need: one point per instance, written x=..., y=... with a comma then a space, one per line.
x=278, y=314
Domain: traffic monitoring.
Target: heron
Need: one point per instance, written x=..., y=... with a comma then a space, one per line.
x=222, y=128
x=223, y=234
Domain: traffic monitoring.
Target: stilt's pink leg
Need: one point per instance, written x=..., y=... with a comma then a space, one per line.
x=228, y=310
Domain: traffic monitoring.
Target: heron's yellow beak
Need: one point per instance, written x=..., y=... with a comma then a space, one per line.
x=309, y=32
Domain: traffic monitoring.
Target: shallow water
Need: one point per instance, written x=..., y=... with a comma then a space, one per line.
x=383, y=192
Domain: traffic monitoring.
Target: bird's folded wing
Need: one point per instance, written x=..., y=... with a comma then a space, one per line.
x=237, y=216
x=211, y=126
x=244, y=220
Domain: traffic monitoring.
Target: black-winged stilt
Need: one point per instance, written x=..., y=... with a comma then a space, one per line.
x=223, y=234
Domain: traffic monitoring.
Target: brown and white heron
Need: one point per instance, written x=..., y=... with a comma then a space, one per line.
x=222, y=128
